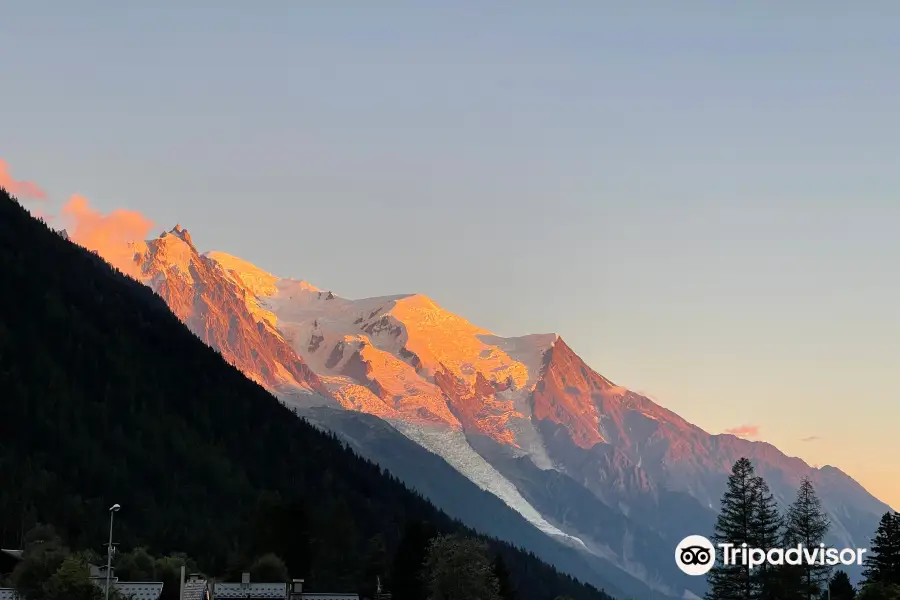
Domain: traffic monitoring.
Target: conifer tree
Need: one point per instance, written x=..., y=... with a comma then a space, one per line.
x=807, y=525
x=735, y=525
x=840, y=586
x=765, y=530
x=883, y=559
x=786, y=580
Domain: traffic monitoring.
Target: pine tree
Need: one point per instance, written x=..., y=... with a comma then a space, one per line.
x=734, y=525
x=840, y=586
x=883, y=559
x=807, y=525
x=788, y=579
x=765, y=528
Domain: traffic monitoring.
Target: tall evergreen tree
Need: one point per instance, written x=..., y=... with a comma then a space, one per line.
x=735, y=525
x=788, y=579
x=765, y=532
x=883, y=559
x=807, y=525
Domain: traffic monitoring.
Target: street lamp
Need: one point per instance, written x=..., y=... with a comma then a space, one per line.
x=109, y=548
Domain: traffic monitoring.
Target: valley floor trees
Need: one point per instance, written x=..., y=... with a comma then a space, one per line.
x=50, y=571
x=426, y=566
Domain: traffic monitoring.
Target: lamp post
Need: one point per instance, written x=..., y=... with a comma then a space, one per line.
x=109, y=548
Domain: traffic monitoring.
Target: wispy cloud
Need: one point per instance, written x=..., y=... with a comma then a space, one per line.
x=20, y=189
x=812, y=438
x=744, y=431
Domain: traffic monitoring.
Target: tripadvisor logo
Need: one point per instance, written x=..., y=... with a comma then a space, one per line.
x=696, y=555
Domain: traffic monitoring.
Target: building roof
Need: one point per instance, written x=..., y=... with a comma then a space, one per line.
x=195, y=589
x=138, y=590
x=141, y=590
x=17, y=554
x=251, y=590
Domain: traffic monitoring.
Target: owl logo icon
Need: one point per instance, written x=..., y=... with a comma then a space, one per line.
x=695, y=555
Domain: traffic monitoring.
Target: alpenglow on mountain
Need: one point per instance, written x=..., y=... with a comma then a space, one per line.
x=591, y=464
x=108, y=398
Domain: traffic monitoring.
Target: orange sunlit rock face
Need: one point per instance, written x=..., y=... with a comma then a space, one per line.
x=478, y=406
x=565, y=395
x=215, y=308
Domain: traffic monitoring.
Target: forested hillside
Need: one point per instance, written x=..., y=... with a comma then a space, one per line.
x=105, y=397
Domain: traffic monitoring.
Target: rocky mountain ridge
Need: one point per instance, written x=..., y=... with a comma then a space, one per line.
x=524, y=418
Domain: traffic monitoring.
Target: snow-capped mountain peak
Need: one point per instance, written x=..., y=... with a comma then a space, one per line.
x=182, y=233
x=222, y=310
x=523, y=417
x=173, y=249
x=257, y=281
x=400, y=357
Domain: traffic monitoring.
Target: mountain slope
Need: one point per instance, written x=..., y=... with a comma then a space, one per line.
x=107, y=398
x=224, y=308
x=431, y=476
x=524, y=418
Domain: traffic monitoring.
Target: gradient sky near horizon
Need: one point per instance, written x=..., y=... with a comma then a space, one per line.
x=702, y=198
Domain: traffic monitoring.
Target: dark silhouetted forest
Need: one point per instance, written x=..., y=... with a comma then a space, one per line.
x=105, y=397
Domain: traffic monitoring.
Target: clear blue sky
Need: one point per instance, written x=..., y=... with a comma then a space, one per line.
x=700, y=197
